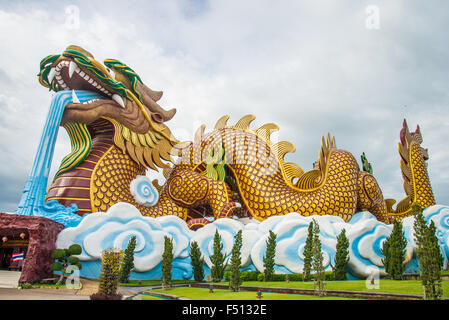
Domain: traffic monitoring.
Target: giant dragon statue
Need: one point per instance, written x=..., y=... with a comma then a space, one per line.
x=233, y=170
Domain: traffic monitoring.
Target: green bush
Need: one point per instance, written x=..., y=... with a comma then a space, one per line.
x=26, y=285
x=295, y=277
x=244, y=275
x=281, y=277
x=258, y=276
x=250, y=275
x=328, y=276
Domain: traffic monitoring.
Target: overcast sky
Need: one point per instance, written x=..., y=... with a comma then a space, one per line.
x=351, y=68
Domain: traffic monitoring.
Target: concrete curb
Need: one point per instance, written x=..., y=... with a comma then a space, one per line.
x=331, y=293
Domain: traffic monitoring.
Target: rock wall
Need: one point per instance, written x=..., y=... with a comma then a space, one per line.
x=42, y=233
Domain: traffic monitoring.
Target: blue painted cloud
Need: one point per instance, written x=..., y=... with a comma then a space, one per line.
x=114, y=228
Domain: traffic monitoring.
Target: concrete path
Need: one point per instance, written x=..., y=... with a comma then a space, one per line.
x=40, y=294
x=9, y=279
x=9, y=290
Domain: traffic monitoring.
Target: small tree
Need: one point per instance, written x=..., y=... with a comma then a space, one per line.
x=436, y=263
x=197, y=261
x=268, y=260
x=341, y=256
x=128, y=261
x=107, y=289
x=64, y=258
x=308, y=253
x=217, y=259
x=439, y=260
x=236, y=262
x=394, y=251
x=429, y=255
x=317, y=261
x=167, y=259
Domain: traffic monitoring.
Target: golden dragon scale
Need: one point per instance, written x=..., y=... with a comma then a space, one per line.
x=257, y=178
x=232, y=170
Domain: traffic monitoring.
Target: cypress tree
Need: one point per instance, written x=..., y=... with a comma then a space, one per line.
x=217, y=259
x=439, y=260
x=429, y=255
x=341, y=256
x=308, y=253
x=197, y=262
x=128, y=261
x=167, y=259
x=236, y=261
x=317, y=261
x=393, y=250
x=436, y=262
x=268, y=259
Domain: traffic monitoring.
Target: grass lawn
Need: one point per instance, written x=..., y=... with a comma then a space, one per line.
x=135, y=283
x=224, y=294
x=390, y=286
x=151, y=297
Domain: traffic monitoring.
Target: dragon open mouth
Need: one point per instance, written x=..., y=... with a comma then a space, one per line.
x=69, y=76
x=121, y=104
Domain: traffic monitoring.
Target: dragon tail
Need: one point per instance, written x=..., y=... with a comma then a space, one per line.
x=416, y=180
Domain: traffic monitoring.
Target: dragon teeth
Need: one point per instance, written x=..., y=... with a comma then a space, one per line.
x=74, y=97
x=117, y=98
x=90, y=101
x=55, y=72
x=51, y=75
x=72, y=68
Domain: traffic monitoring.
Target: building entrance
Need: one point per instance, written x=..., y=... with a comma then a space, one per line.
x=13, y=249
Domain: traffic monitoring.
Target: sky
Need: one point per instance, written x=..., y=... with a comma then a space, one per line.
x=354, y=69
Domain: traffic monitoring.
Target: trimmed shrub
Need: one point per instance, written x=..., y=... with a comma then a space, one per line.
x=110, y=272
x=328, y=276
x=244, y=275
x=64, y=258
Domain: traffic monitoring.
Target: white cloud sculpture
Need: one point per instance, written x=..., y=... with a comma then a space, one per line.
x=114, y=228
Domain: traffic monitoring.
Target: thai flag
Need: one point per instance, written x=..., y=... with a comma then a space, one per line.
x=17, y=257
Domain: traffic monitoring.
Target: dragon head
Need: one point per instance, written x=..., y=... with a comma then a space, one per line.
x=126, y=98
x=127, y=105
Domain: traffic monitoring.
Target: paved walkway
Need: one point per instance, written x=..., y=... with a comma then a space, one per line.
x=40, y=294
x=9, y=290
x=9, y=279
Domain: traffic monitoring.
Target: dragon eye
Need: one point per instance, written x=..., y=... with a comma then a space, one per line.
x=111, y=73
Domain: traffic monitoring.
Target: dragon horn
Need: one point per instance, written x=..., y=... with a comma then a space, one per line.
x=149, y=98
